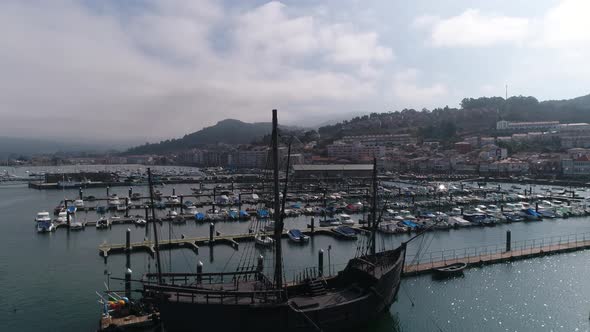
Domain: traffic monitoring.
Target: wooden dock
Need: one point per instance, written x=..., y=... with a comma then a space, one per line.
x=193, y=243
x=499, y=257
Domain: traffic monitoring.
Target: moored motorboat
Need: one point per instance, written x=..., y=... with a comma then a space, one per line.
x=345, y=219
x=345, y=232
x=103, y=223
x=263, y=240
x=62, y=217
x=44, y=223
x=297, y=236
x=113, y=201
x=77, y=226
x=330, y=222
x=140, y=221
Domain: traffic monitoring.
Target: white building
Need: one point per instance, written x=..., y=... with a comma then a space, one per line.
x=355, y=151
x=579, y=166
x=527, y=126
x=388, y=139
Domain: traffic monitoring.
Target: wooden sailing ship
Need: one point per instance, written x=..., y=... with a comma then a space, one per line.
x=248, y=300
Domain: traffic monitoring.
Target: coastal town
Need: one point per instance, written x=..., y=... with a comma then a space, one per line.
x=499, y=153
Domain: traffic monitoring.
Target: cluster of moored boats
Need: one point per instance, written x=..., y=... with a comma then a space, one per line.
x=403, y=221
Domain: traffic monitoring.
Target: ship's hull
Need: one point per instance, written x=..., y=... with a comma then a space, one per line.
x=373, y=299
x=184, y=317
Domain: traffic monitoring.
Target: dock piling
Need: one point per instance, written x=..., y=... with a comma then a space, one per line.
x=211, y=232
x=199, y=272
x=508, y=240
x=126, y=207
x=128, y=264
x=108, y=191
x=321, y=262
x=130, y=191
x=80, y=193
x=173, y=191
x=312, y=224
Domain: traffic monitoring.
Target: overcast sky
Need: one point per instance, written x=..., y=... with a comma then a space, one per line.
x=161, y=68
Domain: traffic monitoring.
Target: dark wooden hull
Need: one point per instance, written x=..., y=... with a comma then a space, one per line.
x=376, y=292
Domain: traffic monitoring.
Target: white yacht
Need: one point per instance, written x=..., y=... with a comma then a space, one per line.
x=42, y=216
x=79, y=203
x=114, y=201
x=44, y=223
x=345, y=219
x=263, y=240
x=173, y=200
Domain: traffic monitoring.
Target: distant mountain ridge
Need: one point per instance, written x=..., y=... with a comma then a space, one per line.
x=16, y=146
x=229, y=131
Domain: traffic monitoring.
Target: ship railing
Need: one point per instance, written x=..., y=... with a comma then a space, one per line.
x=513, y=249
x=200, y=295
x=200, y=278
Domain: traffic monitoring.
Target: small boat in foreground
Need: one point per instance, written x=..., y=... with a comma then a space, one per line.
x=450, y=270
x=263, y=240
x=103, y=223
x=345, y=232
x=297, y=236
x=77, y=226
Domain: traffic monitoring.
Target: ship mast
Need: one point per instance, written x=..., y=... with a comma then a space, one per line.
x=156, y=246
x=374, y=209
x=277, y=207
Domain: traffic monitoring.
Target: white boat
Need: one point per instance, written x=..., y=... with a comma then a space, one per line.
x=42, y=216
x=345, y=219
x=62, y=217
x=191, y=210
x=263, y=240
x=388, y=228
x=44, y=224
x=79, y=203
x=174, y=200
x=140, y=222
x=76, y=226
x=103, y=223
x=121, y=207
x=297, y=236
x=114, y=201
x=172, y=214
x=330, y=222
x=407, y=215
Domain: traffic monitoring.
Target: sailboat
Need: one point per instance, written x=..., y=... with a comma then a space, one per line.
x=248, y=300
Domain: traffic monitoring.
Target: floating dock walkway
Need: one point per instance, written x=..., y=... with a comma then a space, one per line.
x=496, y=254
x=193, y=243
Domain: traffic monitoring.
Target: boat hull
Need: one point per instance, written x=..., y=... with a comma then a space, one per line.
x=296, y=314
x=181, y=317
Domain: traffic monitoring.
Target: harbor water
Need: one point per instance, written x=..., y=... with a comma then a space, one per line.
x=48, y=281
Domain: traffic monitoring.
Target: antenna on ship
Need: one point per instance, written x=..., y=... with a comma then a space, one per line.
x=374, y=210
x=156, y=245
x=277, y=207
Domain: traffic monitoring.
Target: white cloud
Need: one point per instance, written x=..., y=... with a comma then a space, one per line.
x=406, y=88
x=566, y=24
x=156, y=67
x=474, y=29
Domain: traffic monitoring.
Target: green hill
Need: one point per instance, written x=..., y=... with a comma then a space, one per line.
x=227, y=131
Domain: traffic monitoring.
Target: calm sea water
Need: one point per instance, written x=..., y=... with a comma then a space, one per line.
x=47, y=281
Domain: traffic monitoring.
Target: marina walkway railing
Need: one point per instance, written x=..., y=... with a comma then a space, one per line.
x=417, y=263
